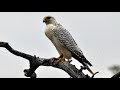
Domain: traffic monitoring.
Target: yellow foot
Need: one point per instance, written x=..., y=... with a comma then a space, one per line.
x=61, y=58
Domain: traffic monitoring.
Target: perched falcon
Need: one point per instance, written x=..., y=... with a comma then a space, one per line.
x=64, y=42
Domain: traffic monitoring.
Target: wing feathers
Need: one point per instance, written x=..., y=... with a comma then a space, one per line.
x=67, y=40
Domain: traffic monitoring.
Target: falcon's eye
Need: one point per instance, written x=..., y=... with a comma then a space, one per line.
x=48, y=17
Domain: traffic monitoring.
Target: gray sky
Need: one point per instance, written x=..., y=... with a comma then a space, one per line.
x=97, y=34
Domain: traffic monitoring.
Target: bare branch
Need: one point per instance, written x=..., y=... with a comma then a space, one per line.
x=94, y=74
x=15, y=52
x=35, y=62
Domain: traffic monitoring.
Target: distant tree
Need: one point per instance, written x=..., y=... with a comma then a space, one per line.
x=115, y=69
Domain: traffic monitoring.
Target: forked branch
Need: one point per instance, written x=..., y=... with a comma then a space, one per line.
x=35, y=62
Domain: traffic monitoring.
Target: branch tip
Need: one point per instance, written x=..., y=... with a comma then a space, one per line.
x=26, y=73
x=94, y=74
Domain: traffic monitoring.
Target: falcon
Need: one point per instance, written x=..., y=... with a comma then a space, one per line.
x=64, y=42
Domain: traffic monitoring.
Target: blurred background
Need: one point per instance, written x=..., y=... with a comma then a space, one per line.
x=96, y=33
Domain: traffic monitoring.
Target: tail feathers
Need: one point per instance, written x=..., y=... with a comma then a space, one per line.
x=86, y=61
x=81, y=59
x=90, y=70
x=87, y=67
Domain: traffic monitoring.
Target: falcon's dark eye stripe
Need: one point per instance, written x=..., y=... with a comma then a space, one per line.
x=48, y=17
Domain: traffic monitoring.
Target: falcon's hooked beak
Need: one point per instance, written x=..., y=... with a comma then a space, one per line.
x=43, y=21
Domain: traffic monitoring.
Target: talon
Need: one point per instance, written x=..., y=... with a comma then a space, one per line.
x=61, y=58
x=54, y=59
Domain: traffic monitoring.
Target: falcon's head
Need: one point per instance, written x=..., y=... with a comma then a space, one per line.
x=49, y=20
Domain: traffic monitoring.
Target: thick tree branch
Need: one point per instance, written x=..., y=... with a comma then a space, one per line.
x=35, y=62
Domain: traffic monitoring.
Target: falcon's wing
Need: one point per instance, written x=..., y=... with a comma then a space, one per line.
x=67, y=40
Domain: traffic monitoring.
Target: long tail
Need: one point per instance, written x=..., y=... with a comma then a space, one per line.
x=87, y=67
x=84, y=62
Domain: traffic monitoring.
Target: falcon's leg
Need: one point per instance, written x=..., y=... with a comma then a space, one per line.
x=60, y=58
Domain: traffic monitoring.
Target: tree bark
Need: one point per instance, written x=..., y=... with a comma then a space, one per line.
x=35, y=62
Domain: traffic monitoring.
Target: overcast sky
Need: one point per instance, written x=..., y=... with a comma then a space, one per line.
x=97, y=34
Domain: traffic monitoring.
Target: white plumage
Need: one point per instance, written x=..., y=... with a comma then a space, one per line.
x=64, y=42
x=50, y=28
